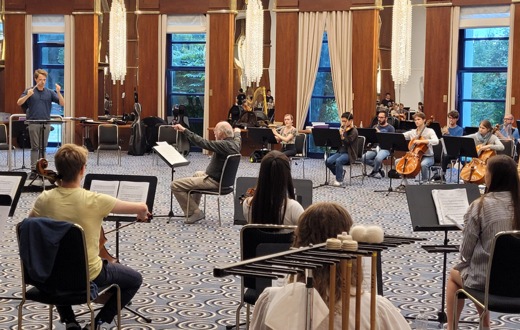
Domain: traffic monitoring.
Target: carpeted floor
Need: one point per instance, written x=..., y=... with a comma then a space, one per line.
x=177, y=260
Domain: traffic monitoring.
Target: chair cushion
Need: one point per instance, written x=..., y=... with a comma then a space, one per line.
x=62, y=298
x=108, y=147
x=500, y=304
x=251, y=296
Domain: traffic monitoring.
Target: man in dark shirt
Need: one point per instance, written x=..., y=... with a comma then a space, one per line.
x=227, y=142
x=387, y=101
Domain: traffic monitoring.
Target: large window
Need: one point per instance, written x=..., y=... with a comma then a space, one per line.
x=185, y=75
x=49, y=55
x=323, y=107
x=482, y=74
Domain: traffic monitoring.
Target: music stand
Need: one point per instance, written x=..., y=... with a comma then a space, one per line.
x=19, y=130
x=437, y=129
x=423, y=215
x=470, y=130
x=150, y=197
x=392, y=142
x=329, y=139
x=370, y=139
x=459, y=146
x=407, y=125
x=262, y=135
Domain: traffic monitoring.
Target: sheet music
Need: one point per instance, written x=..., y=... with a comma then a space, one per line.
x=105, y=187
x=9, y=184
x=170, y=154
x=451, y=205
x=5, y=207
x=128, y=191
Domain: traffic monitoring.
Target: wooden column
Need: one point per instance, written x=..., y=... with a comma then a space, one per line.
x=437, y=61
x=14, y=72
x=365, y=44
x=148, y=87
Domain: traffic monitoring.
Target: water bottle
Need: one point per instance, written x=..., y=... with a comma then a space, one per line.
x=421, y=321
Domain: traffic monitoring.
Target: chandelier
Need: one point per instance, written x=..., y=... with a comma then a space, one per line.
x=117, y=41
x=401, y=41
x=254, y=42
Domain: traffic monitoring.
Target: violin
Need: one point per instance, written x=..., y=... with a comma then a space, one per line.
x=410, y=164
x=41, y=170
x=475, y=170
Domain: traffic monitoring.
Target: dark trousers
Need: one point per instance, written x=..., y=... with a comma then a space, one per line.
x=129, y=282
x=289, y=149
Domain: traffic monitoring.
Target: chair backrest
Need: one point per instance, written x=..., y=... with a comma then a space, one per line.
x=167, y=134
x=53, y=255
x=504, y=265
x=508, y=148
x=360, y=146
x=3, y=134
x=437, y=153
x=229, y=171
x=108, y=134
x=261, y=240
x=299, y=144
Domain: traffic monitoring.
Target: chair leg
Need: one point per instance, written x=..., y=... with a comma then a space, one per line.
x=218, y=207
x=98, y=156
x=303, y=167
x=50, y=316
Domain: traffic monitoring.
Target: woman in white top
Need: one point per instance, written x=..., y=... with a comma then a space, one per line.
x=321, y=221
x=274, y=199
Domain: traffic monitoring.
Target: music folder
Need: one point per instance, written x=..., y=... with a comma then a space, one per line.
x=11, y=184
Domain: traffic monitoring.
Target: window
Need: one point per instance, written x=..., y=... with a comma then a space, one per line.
x=49, y=54
x=482, y=74
x=323, y=107
x=185, y=75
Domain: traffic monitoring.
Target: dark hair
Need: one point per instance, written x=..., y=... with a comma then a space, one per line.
x=504, y=177
x=347, y=115
x=317, y=223
x=453, y=114
x=486, y=123
x=383, y=112
x=241, y=90
x=274, y=185
x=420, y=115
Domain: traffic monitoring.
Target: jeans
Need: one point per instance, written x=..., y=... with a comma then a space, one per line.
x=375, y=159
x=129, y=282
x=426, y=162
x=335, y=164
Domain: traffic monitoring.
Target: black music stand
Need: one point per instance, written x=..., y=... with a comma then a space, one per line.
x=150, y=197
x=392, y=142
x=19, y=129
x=329, y=139
x=264, y=136
x=370, y=139
x=437, y=128
x=459, y=146
x=424, y=217
x=470, y=130
x=407, y=125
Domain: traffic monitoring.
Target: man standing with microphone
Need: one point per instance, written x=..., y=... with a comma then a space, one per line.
x=37, y=102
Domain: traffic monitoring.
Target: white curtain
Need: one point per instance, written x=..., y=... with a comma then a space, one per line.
x=311, y=26
x=455, y=16
x=338, y=31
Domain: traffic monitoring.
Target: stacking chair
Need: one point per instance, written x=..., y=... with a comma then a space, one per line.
x=300, y=143
x=226, y=184
x=509, y=148
x=168, y=134
x=4, y=143
x=108, y=139
x=501, y=293
x=257, y=241
x=54, y=262
x=438, y=153
x=359, y=150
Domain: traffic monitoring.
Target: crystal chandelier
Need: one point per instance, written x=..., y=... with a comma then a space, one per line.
x=117, y=41
x=401, y=41
x=254, y=42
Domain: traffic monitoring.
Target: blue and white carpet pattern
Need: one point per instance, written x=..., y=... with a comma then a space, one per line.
x=177, y=260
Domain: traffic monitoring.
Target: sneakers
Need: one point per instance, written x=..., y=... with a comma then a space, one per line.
x=436, y=177
x=337, y=183
x=400, y=188
x=372, y=174
x=382, y=173
x=72, y=326
x=196, y=216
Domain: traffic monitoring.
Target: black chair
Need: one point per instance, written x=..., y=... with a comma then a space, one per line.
x=502, y=292
x=257, y=241
x=438, y=152
x=54, y=262
x=4, y=143
x=509, y=148
x=360, y=147
x=300, y=144
x=226, y=184
x=108, y=139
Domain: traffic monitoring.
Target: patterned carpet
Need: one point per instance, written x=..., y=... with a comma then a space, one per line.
x=177, y=260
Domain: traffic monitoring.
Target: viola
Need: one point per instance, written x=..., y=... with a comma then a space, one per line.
x=475, y=170
x=50, y=175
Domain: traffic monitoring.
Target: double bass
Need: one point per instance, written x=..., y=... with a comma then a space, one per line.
x=410, y=164
x=475, y=170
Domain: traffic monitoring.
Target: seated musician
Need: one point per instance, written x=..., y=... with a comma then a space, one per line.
x=286, y=135
x=347, y=152
x=452, y=129
x=318, y=223
x=69, y=202
x=273, y=201
x=485, y=137
x=375, y=157
x=497, y=210
x=507, y=131
x=421, y=135
x=227, y=142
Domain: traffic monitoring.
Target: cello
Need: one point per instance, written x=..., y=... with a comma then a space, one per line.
x=475, y=170
x=410, y=164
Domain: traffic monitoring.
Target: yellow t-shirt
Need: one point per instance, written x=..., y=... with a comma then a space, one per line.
x=82, y=207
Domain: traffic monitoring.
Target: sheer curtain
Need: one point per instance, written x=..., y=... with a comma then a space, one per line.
x=340, y=46
x=311, y=26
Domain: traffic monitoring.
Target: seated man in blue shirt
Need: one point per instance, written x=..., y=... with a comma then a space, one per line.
x=375, y=157
x=452, y=129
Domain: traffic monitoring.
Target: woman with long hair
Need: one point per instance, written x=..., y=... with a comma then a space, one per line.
x=274, y=199
x=486, y=138
x=318, y=223
x=497, y=210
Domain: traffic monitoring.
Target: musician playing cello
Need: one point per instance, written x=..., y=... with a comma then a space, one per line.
x=69, y=202
x=422, y=135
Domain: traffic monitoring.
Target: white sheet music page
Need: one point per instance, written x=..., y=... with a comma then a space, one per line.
x=105, y=187
x=451, y=205
x=9, y=185
x=132, y=191
x=170, y=154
